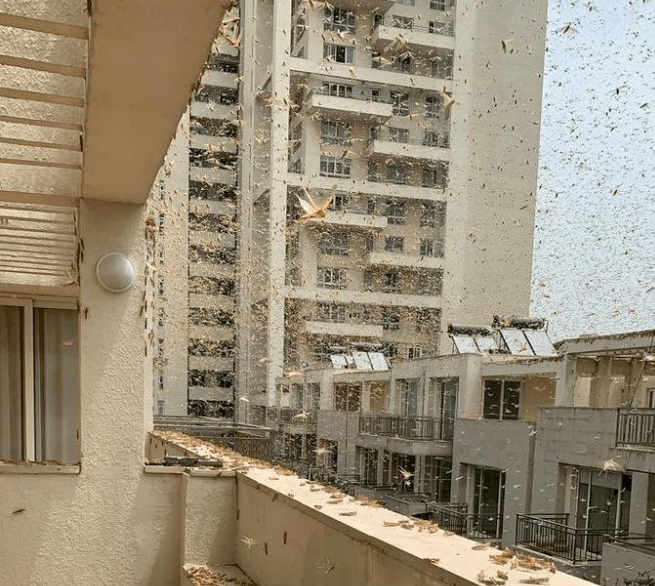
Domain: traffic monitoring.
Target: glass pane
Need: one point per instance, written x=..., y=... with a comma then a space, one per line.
x=56, y=384
x=511, y=399
x=492, y=398
x=11, y=383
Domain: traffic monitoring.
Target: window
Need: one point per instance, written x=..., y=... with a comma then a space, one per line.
x=442, y=5
x=339, y=202
x=332, y=278
x=371, y=206
x=435, y=177
x=334, y=243
x=210, y=222
x=405, y=2
x=205, y=316
x=216, y=256
x=338, y=19
x=431, y=248
x=347, y=397
x=211, y=286
x=434, y=107
x=394, y=243
x=395, y=212
x=161, y=222
x=403, y=63
x=414, y=352
x=369, y=243
x=427, y=320
x=390, y=319
x=211, y=348
x=161, y=288
x=212, y=192
x=338, y=89
x=333, y=312
x=39, y=382
x=501, y=399
x=336, y=132
x=435, y=139
x=400, y=103
x=397, y=174
x=373, y=173
x=338, y=53
x=376, y=95
x=398, y=134
x=433, y=215
x=442, y=64
x=391, y=282
x=333, y=167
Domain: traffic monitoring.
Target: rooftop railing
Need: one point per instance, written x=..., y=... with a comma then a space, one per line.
x=549, y=533
x=409, y=427
x=431, y=139
x=636, y=427
x=455, y=517
x=347, y=95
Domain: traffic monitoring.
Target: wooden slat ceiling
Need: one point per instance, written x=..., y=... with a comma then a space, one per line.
x=43, y=64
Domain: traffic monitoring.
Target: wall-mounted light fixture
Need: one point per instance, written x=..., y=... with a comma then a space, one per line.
x=115, y=272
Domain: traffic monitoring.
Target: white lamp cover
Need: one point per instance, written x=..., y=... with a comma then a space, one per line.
x=115, y=272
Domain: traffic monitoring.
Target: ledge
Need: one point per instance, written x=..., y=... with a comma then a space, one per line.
x=38, y=468
x=197, y=472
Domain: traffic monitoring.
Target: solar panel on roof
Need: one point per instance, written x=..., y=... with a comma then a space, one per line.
x=338, y=361
x=378, y=361
x=361, y=361
x=516, y=342
x=540, y=342
x=465, y=344
x=486, y=343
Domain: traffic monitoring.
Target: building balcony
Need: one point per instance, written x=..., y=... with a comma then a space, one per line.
x=413, y=435
x=636, y=429
x=375, y=188
x=212, y=175
x=455, y=517
x=224, y=144
x=424, y=150
x=356, y=330
x=359, y=108
x=319, y=294
x=437, y=35
x=353, y=220
x=396, y=259
x=197, y=393
x=220, y=79
x=550, y=534
x=213, y=110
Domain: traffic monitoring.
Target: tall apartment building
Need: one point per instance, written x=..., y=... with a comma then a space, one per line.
x=420, y=120
x=194, y=215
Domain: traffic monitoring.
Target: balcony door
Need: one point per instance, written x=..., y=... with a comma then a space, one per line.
x=409, y=398
x=488, y=501
x=603, y=501
x=442, y=404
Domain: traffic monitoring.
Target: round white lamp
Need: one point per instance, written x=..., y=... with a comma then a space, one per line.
x=115, y=272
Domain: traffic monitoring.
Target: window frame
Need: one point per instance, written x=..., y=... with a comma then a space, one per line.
x=28, y=414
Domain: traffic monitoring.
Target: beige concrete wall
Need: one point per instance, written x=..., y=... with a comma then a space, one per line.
x=110, y=524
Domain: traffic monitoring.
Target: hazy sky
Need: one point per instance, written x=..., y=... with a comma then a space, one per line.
x=594, y=266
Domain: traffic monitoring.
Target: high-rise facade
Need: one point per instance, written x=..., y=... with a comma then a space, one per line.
x=193, y=211
x=419, y=122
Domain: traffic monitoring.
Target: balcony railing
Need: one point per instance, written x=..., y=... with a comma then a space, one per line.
x=550, y=534
x=288, y=415
x=446, y=28
x=418, y=428
x=456, y=518
x=347, y=96
x=440, y=140
x=636, y=427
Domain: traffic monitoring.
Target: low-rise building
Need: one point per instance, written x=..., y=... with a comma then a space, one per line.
x=551, y=451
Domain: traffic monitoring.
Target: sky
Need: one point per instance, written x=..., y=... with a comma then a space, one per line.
x=594, y=262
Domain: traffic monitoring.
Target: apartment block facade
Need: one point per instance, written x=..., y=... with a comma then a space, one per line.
x=421, y=129
x=193, y=207
x=551, y=454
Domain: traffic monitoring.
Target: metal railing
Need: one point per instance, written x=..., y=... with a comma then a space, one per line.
x=636, y=427
x=288, y=415
x=640, y=543
x=456, y=518
x=439, y=140
x=410, y=427
x=361, y=98
x=446, y=28
x=550, y=534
